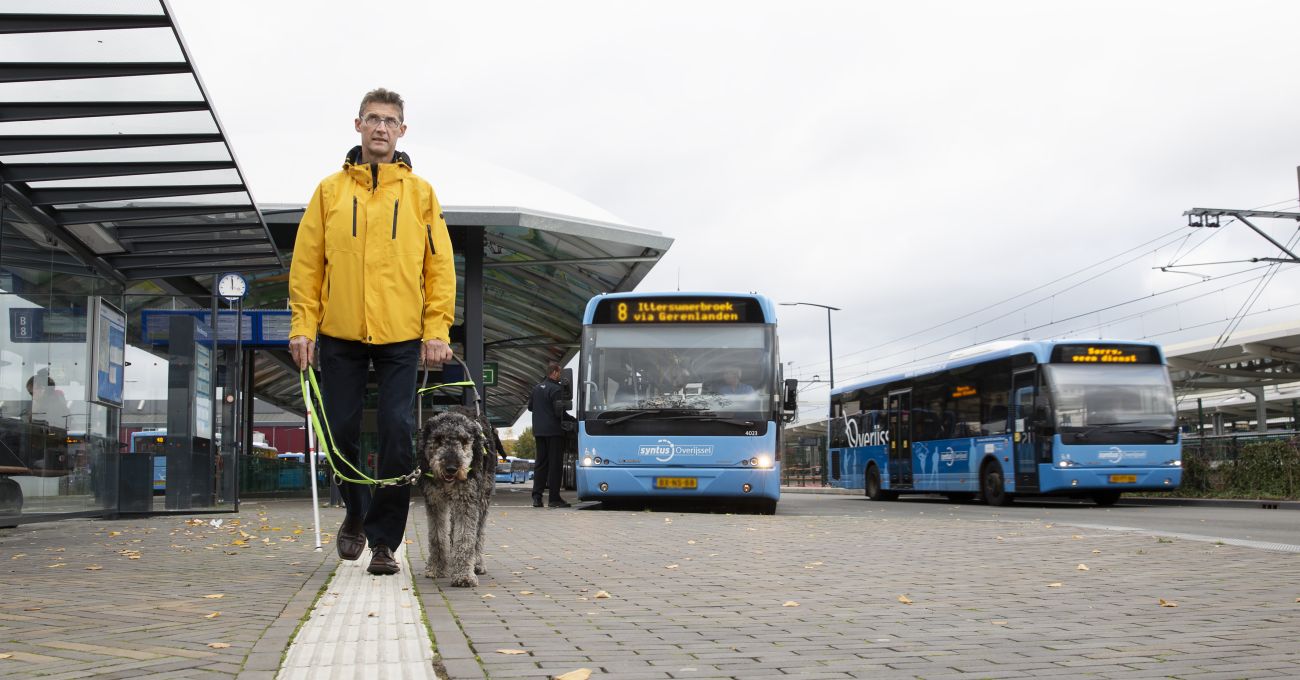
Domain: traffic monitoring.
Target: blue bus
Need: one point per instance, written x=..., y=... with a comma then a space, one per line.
x=153, y=443
x=512, y=470
x=681, y=396
x=1089, y=419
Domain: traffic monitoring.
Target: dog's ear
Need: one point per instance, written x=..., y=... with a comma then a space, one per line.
x=426, y=433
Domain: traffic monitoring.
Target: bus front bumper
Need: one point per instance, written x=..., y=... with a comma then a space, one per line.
x=1084, y=479
x=595, y=483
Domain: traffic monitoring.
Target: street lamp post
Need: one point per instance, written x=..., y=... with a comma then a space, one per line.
x=830, y=343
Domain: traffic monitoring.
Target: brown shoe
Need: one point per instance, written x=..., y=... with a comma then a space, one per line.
x=382, y=562
x=351, y=540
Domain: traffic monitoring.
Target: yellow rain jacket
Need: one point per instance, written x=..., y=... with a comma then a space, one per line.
x=372, y=260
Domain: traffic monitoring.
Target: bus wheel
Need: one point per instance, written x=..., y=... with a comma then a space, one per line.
x=1105, y=499
x=993, y=486
x=874, y=492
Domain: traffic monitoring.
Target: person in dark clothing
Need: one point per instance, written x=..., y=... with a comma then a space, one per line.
x=549, y=437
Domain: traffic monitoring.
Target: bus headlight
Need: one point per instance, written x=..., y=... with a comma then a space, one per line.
x=1174, y=463
x=586, y=461
x=1066, y=464
x=763, y=461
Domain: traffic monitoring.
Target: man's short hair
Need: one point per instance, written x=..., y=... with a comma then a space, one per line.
x=552, y=367
x=380, y=95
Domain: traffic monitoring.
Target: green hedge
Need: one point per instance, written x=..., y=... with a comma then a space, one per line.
x=1265, y=469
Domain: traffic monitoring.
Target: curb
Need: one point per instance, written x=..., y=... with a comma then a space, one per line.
x=1260, y=504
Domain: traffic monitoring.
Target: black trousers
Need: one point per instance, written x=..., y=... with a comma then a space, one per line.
x=549, y=467
x=344, y=370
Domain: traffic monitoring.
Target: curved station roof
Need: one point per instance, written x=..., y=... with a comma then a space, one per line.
x=113, y=163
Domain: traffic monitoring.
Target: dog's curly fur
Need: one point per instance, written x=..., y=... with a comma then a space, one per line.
x=454, y=449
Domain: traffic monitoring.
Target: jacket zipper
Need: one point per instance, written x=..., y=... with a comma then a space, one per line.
x=429, y=232
x=395, y=202
x=354, y=217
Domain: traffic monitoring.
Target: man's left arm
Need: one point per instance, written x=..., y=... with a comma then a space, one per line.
x=439, y=287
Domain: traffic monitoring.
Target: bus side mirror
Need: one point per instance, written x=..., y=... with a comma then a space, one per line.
x=790, y=404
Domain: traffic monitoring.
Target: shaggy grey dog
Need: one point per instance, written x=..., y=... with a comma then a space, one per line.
x=461, y=473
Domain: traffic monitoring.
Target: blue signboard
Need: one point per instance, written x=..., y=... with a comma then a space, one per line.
x=108, y=352
x=258, y=328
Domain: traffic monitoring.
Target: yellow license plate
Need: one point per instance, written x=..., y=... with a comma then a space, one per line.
x=675, y=483
x=1123, y=479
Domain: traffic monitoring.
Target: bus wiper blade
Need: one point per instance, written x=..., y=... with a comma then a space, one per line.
x=629, y=414
x=712, y=418
x=1102, y=426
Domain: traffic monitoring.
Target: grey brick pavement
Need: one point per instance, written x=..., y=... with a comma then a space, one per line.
x=705, y=596
x=691, y=596
x=73, y=602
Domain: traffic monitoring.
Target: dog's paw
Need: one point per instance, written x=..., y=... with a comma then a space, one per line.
x=465, y=581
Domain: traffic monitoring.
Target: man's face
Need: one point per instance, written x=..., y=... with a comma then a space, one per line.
x=380, y=126
x=731, y=377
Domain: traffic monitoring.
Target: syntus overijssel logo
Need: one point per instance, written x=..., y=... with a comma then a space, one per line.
x=1115, y=455
x=664, y=450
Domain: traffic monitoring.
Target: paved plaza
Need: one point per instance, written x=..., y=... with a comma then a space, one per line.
x=649, y=595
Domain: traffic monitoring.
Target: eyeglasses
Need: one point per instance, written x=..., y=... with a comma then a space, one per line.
x=373, y=120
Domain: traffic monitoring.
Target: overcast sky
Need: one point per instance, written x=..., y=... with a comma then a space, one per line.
x=909, y=162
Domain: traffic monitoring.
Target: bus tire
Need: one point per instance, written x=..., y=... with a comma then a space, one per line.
x=1105, y=498
x=992, y=485
x=874, y=492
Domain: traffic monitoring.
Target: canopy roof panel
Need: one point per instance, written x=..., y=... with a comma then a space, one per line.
x=110, y=145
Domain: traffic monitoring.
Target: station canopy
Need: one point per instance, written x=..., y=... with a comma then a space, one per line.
x=1264, y=361
x=114, y=164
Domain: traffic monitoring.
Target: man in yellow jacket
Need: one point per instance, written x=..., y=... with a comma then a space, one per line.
x=373, y=281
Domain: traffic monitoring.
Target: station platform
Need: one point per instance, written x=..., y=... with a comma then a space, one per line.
x=641, y=596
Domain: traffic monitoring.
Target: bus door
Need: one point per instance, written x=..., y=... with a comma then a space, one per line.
x=1025, y=430
x=900, y=439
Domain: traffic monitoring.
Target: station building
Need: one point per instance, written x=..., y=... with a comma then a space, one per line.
x=123, y=209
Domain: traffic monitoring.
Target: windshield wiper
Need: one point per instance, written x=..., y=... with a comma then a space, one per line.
x=678, y=414
x=712, y=418
x=1102, y=426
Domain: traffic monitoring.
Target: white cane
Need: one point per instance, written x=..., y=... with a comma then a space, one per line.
x=315, y=501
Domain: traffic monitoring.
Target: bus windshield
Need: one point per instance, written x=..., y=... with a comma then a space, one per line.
x=1131, y=397
x=677, y=371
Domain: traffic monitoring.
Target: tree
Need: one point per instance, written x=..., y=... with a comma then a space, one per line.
x=526, y=445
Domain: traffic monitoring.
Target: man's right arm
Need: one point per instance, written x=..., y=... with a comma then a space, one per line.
x=306, y=276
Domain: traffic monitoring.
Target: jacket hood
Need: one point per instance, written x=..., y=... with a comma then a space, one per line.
x=354, y=157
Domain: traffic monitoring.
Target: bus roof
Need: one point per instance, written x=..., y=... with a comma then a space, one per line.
x=765, y=303
x=1041, y=349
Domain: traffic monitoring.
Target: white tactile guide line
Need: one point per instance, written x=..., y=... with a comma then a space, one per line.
x=364, y=626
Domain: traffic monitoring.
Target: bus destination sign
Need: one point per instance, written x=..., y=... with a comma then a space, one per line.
x=683, y=310
x=1105, y=354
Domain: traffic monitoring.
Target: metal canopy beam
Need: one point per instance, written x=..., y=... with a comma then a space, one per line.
x=43, y=172
x=28, y=71
x=153, y=272
x=68, y=195
x=1270, y=351
x=1199, y=367
x=15, y=111
x=127, y=232
x=573, y=260
x=16, y=145
x=19, y=201
x=180, y=245
x=46, y=23
x=84, y=215
x=130, y=261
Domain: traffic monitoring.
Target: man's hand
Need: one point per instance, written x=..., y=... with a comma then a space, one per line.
x=434, y=353
x=303, y=350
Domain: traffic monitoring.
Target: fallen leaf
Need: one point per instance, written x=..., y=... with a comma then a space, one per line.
x=219, y=645
x=525, y=592
x=32, y=609
x=111, y=534
x=512, y=651
x=6, y=656
x=213, y=615
x=790, y=603
x=56, y=566
x=691, y=542
x=1000, y=538
x=1047, y=526
x=1096, y=552
x=1054, y=585
x=94, y=567
x=1167, y=603
x=214, y=596
x=1077, y=537
x=1082, y=567
x=373, y=615
x=668, y=520
x=670, y=566
x=904, y=599
x=998, y=623
x=601, y=595
x=580, y=674
x=18, y=555
x=488, y=596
